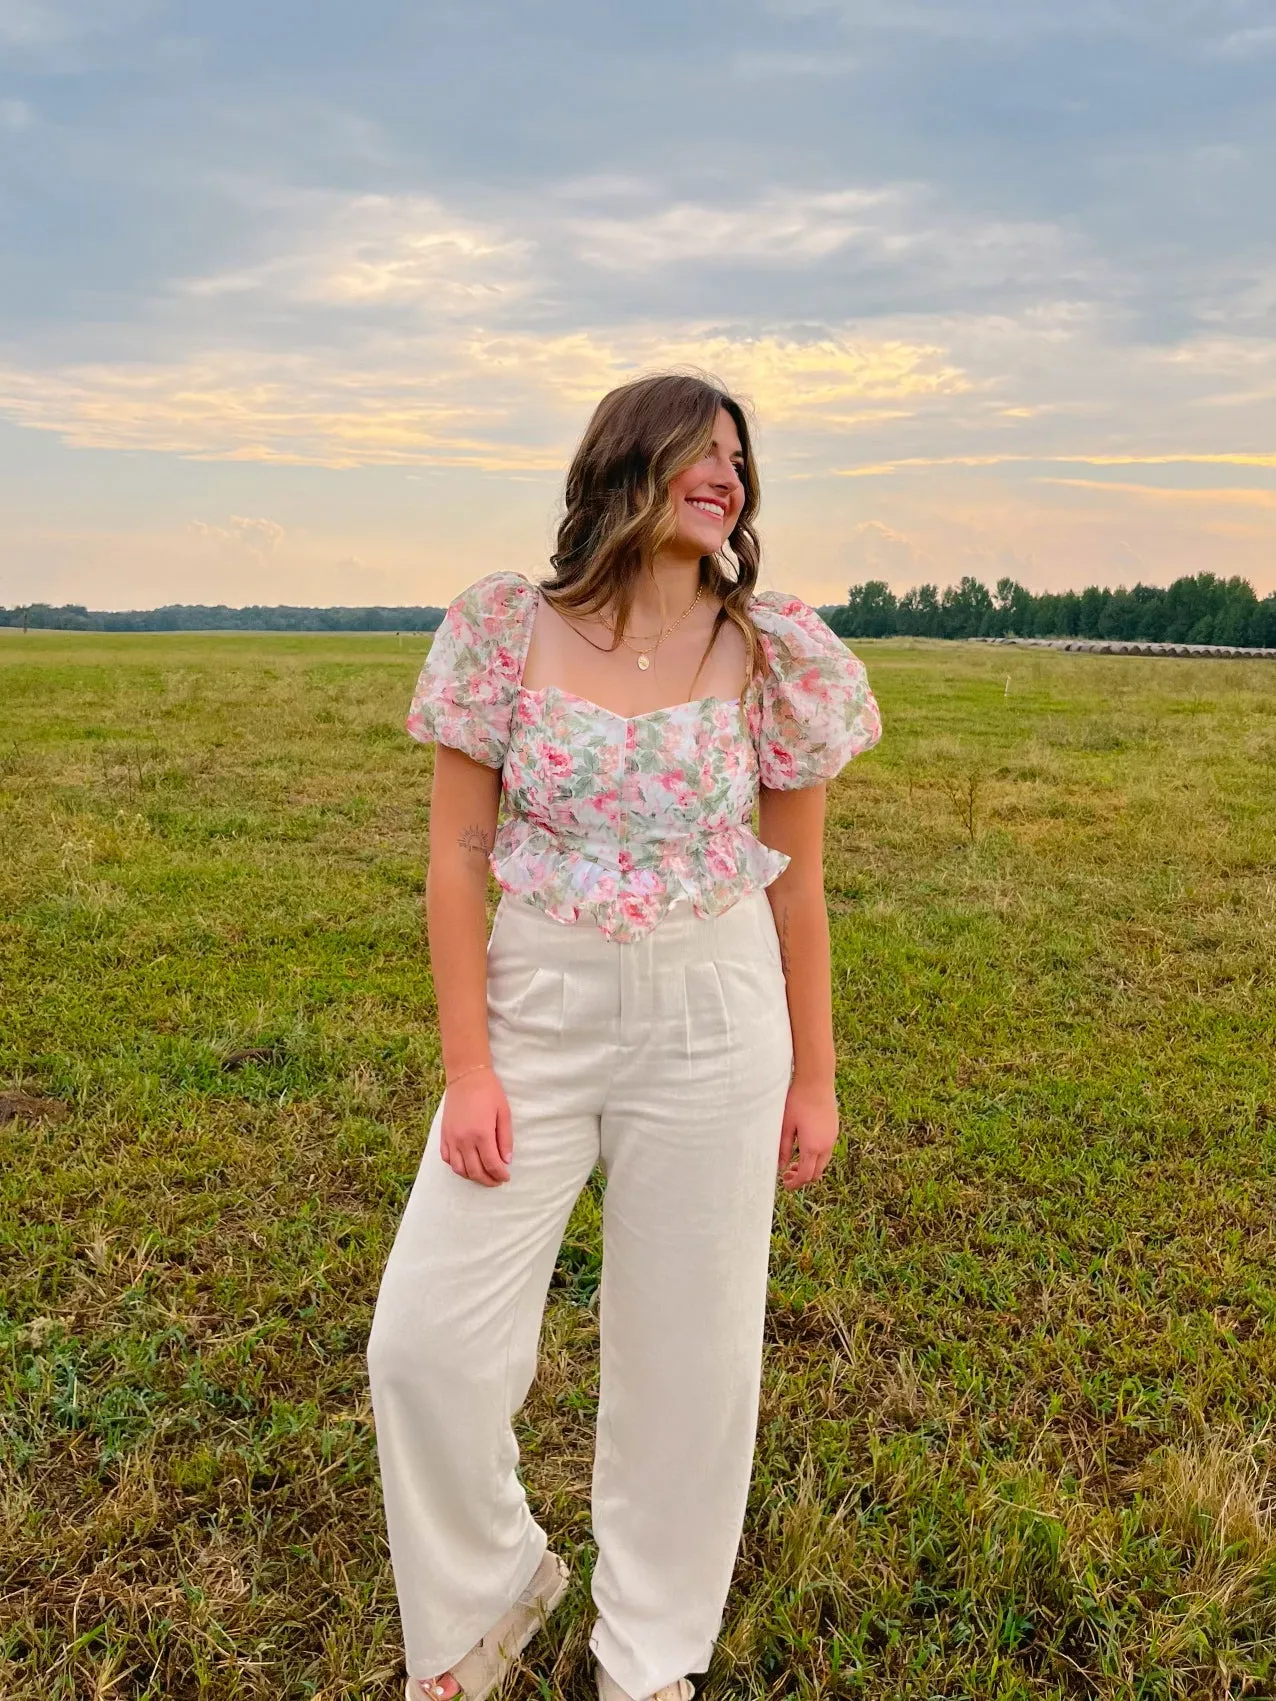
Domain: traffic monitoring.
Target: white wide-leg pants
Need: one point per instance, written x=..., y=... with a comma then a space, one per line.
x=666, y=1061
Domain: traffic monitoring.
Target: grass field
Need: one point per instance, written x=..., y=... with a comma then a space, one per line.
x=1016, y=1435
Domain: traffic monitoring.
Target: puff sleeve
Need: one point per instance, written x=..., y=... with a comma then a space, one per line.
x=815, y=710
x=465, y=694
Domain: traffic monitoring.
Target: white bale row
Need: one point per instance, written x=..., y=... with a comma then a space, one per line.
x=1132, y=647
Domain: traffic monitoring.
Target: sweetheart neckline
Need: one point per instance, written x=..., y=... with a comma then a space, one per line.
x=588, y=702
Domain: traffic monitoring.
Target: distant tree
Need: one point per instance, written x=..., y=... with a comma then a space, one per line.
x=919, y=615
x=1090, y=610
x=1233, y=620
x=871, y=610
x=1046, y=617
x=1262, y=626
x=963, y=608
x=1015, y=607
x=1120, y=615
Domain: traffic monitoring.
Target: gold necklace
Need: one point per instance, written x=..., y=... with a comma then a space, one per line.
x=644, y=656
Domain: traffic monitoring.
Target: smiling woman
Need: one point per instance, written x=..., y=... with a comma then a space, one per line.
x=664, y=469
x=654, y=1000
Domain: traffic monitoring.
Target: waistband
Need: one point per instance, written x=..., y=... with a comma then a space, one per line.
x=679, y=936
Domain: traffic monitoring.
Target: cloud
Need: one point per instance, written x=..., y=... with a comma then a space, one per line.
x=1237, y=458
x=778, y=230
x=15, y=115
x=761, y=66
x=994, y=21
x=30, y=23
x=607, y=185
x=243, y=536
x=374, y=250
x=876, y=551
x=785, y=377
x=37, y=25
x=896, y=228
x=496, y=402
x=257, y=406
x=606, y=248
x=1208, y=495
x=1247, y=43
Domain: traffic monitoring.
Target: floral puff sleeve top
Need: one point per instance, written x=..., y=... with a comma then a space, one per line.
x=614, y=818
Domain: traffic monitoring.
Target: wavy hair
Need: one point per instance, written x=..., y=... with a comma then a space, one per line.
x=618, y=515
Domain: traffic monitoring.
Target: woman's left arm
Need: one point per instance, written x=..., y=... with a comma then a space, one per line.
x=793, y=822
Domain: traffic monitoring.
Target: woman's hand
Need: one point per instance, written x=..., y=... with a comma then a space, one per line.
x=476, y=1137
x=810, y=1126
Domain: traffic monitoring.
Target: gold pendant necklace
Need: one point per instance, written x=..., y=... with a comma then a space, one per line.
x=644, y=656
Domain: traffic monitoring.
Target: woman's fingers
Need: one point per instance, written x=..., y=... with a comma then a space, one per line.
x=474, y=1165
x=809, y=1165
x=490, y=1157
x=800, y=1173
x=477, y=1157
x=788, y=1139
x=504, y=1131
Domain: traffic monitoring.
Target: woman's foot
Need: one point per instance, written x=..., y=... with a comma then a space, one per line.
x=478, y=1673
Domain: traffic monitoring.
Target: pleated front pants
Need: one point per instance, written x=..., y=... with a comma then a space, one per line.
x=666, y=1062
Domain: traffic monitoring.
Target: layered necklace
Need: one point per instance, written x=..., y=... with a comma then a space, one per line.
x=645, y=655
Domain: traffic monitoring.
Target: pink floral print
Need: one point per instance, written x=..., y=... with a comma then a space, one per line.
x=615, y=818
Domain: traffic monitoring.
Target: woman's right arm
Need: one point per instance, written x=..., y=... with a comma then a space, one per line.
x=477, y=1139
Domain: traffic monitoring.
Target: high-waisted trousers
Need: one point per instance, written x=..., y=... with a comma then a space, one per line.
x=666, y=1062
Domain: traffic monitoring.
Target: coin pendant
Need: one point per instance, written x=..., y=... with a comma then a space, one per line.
x=644, y=662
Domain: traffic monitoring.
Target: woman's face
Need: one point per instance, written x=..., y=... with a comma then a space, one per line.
x=707, y=497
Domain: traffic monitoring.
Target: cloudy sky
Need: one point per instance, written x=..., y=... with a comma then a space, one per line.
x=308, y=301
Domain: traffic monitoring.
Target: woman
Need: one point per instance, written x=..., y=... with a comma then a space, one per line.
x=654, y=999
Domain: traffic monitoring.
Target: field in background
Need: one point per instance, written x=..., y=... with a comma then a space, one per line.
x=1022, y=1360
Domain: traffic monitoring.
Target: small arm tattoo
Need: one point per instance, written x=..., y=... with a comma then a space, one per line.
x=783, y=936
x=475, y=838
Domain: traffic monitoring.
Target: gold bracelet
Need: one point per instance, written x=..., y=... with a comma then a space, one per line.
x=474, y=1068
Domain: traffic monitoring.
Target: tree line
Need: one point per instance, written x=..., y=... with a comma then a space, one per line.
x=1202, y=609
x=196, y=617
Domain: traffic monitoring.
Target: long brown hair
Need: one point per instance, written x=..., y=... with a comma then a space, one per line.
x=618, y=514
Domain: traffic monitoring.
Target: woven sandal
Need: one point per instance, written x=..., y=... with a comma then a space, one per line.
x=682, y=1689
x=487, y=1662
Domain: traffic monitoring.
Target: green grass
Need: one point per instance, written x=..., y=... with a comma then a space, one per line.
x=1016, y=1428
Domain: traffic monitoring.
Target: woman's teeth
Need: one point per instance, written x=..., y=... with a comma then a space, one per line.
x=707, y=507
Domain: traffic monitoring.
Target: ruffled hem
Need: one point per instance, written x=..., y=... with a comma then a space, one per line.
x=713, y=871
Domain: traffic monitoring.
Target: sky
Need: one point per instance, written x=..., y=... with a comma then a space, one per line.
x=310, y=302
